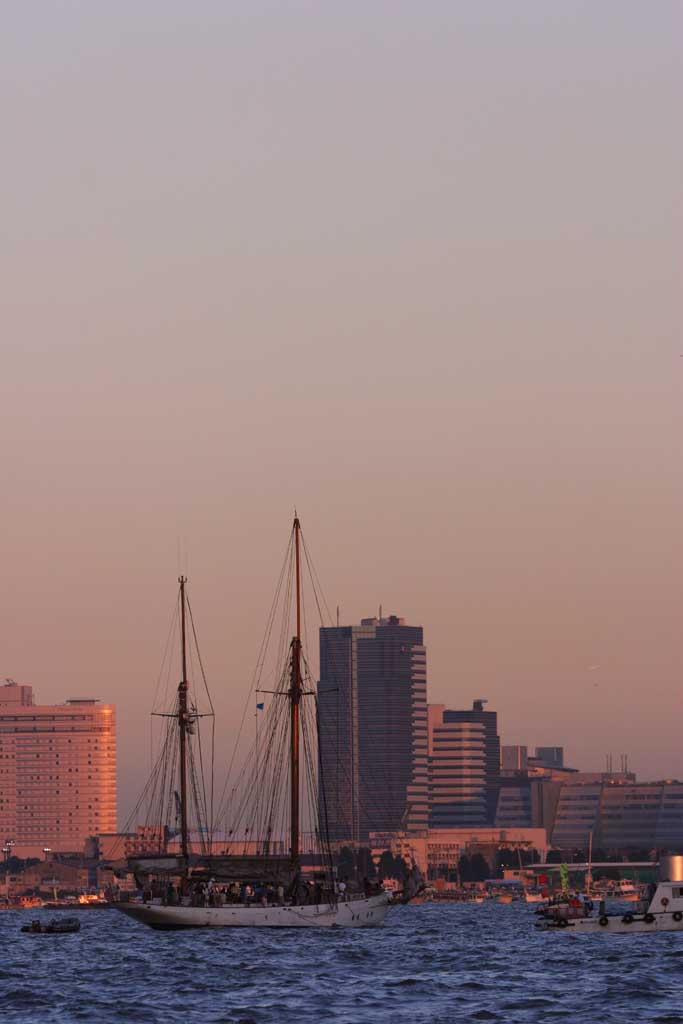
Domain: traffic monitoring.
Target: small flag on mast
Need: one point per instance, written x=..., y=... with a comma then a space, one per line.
x=260, y=707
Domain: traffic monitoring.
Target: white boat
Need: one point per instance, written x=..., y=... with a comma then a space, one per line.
x=359, y=913
x=663, y=912
x=184, y=888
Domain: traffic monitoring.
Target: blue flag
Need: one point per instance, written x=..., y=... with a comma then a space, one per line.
x=260, y=707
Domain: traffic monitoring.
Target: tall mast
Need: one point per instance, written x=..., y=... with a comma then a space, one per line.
x=183, y=723
x=295, y=698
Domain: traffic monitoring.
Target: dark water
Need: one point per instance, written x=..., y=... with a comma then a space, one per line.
x=437, y=964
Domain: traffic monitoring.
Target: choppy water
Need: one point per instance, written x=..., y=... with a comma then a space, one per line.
x=436, y=964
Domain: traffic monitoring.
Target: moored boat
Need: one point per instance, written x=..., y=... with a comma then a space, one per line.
x=57, y=926
x=662, y=912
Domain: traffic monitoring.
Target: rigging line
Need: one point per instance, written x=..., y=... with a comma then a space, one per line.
x=316, y=584
x=213, y=715
x=303, y=609
x=241, y=795
x=272, y=720
x=199, y=653
x=196, y=793
x=245, y=807
x=261, y=656
x=198, y=735
x=143, y=796
x=322, y=797
x=169, y=637
x=201, y=766
x=275, y=726
x=271, y=717
x=213, y=775
x=167, y=664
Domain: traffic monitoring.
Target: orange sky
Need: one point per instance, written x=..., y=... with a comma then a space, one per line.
x=413, y=268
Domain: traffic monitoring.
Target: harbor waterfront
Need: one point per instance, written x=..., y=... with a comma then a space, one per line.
x=429, y=964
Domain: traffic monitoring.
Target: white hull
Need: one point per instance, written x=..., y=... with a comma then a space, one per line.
x=360, y=913
x=662, y=922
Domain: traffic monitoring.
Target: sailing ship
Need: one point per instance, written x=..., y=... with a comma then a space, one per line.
x=262, y=886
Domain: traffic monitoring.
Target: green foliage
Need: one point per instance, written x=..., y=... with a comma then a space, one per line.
x=638, y=854
x=365, y=865
x=16, y=864
x=479, y=868
x=386, y=864
x=400, y=869
x=346, y=864
x=392, y=867
x=506, y=858
x=465, y=869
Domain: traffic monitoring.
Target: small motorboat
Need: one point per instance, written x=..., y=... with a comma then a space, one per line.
x=57, y=926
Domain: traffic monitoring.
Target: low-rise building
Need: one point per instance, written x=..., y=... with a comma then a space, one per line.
x=620, y=814
x=436, y=849
x=49, y=877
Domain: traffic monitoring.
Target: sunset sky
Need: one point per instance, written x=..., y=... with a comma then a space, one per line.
x=413, y=268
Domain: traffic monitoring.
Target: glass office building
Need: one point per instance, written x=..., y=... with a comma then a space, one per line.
x=372, y=700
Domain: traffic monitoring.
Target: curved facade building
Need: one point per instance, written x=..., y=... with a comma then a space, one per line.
x=457, y=771
x=57, y=771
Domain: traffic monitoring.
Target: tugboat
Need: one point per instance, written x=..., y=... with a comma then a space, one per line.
x=663, y=912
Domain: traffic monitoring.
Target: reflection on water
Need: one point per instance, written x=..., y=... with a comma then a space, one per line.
x=430, y=963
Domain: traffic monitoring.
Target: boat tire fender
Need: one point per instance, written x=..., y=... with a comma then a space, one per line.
x=603, y=921
x=649, y=918
x=627, y=919
x=562, y=922
x=677, y=916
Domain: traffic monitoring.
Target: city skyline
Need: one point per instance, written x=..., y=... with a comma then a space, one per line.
x=494, y=740
x=341, y=406
x=416, y=274
x=533, y=735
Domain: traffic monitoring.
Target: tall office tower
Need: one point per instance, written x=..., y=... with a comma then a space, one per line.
x=457, y=771
x=57, y=770
x=489, y=719
x=372, y=701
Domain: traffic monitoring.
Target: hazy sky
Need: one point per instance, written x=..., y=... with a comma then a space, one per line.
x=413, y=267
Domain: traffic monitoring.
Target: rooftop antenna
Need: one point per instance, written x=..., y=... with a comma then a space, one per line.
x=380, y=615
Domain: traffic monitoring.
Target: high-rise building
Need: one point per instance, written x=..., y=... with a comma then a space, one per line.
x=489, y=719
x=372, y=700
x=57, y=770
x=457, y=771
